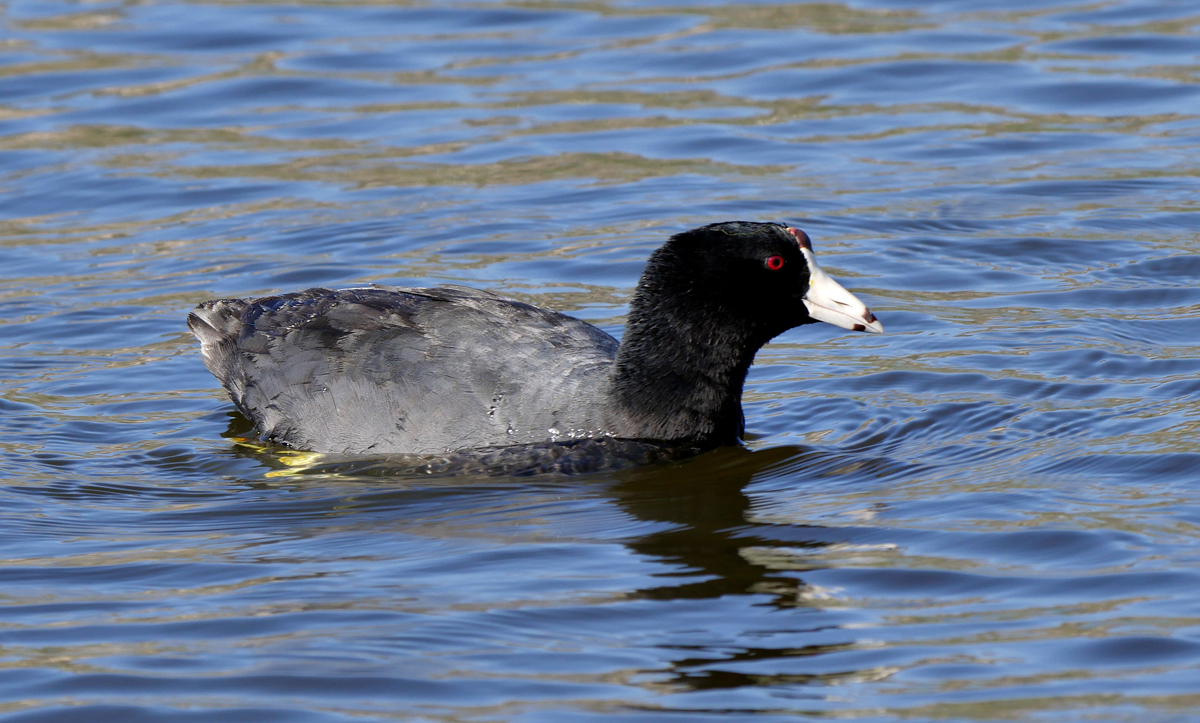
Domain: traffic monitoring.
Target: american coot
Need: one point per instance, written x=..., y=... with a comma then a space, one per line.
x=381, y=370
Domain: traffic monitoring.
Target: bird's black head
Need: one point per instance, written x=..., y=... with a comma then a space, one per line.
x=708, y=299
x=761, y=276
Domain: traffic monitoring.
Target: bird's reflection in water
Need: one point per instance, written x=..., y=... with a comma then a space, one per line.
x=702, y=528
x=705, y=502
x=723, y=552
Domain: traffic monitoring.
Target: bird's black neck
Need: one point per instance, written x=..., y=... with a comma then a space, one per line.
x=681, y=366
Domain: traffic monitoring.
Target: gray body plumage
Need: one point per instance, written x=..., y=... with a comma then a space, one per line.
x=417, y=371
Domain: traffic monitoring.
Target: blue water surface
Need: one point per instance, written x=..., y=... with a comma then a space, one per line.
x=989, y=513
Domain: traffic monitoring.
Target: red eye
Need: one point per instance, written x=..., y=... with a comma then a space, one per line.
x=775, y=263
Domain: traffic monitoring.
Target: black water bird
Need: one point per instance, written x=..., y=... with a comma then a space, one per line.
x=383, y=370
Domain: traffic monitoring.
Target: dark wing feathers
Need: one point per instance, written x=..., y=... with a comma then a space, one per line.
x=384, y=369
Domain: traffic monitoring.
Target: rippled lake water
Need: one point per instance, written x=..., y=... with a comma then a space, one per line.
x=989, y=513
